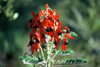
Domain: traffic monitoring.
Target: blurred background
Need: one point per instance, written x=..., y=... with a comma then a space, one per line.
x=81, y=16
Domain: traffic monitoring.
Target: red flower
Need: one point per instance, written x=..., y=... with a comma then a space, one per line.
x=31, y=43
x=42, y=12
x=47, y=7
x=33, y=14
x=67, y=33
x=57, y=17
x=56, y=41
x=46, y=23
x=49, y=25
x=30, y=35
x=65, y=43
x=42, y=32
x=37, y=38
x=33, y=48
x=57, y=33
x=35, y=26
x=52, y=13
x=36, y=43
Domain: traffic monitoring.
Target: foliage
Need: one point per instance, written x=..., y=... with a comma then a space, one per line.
x=34, y=60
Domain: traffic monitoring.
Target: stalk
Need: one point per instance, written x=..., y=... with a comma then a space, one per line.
x=47, y=55
x=42, y=53
x=54, y=55
x=51, y=63
x=33, y=65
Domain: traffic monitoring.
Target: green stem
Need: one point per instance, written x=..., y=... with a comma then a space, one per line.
x=47, y=55
x=51, y=63
x=54, y=55
x=33, y=65
x=42, y=53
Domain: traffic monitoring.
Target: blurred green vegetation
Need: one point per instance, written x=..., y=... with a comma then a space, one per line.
x=81, y=16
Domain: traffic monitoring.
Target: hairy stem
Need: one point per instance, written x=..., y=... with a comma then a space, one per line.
x=42, y=53
x=54, y=55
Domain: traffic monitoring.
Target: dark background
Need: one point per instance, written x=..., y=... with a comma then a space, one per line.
x=81, y=16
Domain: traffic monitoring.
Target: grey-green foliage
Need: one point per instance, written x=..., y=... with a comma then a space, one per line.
x=70, y=61
x=34, y=60
x=73, y=34
x=67, y=52
x=30, y=59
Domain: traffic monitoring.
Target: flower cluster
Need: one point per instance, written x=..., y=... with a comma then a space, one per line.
x=47, y=23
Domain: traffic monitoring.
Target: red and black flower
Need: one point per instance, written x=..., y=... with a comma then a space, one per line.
x=47, y=23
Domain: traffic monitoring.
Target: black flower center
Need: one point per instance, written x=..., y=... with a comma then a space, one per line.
x=53, y=21
x=66, y=42
x=68, y=31
x=39, y=21
x=59, y=33
x=55, y=42
x=31, y=43
x=37, y=40
x=43, y=36
x=37, y=14
x=36, y=27
x=47, y=30
x=50, y=29
x=30, y=20
x=58, y=20
x=31, y=26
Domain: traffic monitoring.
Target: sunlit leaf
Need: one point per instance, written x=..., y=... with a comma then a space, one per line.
x=15, y=16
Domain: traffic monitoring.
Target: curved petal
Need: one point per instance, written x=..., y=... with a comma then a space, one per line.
x=64, y=47
x=33, y=14
x=69, y=36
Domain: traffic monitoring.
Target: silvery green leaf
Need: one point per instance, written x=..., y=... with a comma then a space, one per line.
x=62, y=62
x=58, y=61
x=62, y=35
x=73, y=33
x=67, y=52
x=31, y=60
x=70, y=61
x=47, y=38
